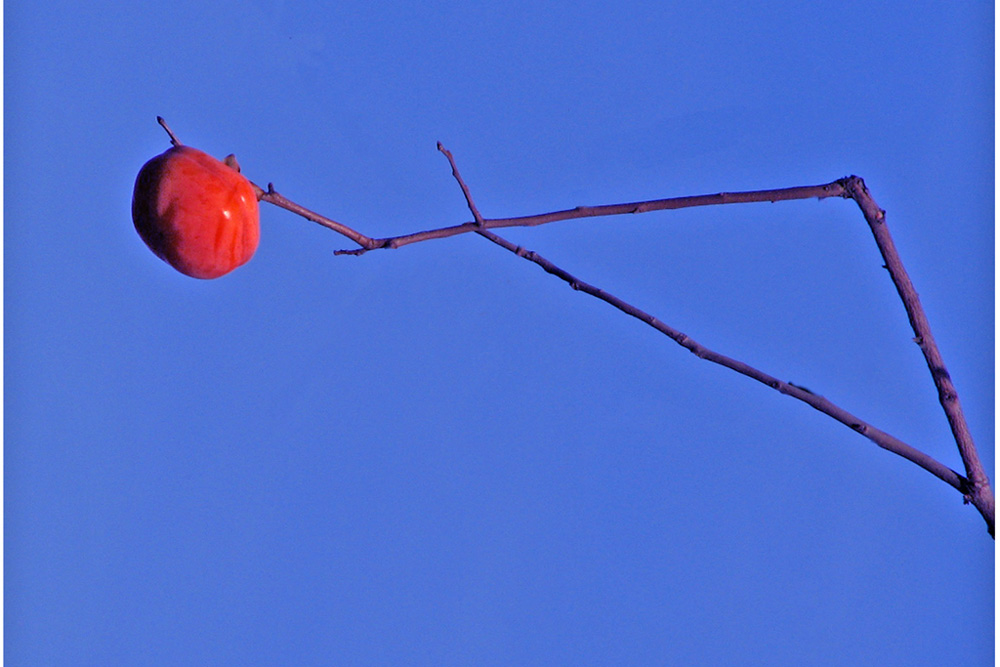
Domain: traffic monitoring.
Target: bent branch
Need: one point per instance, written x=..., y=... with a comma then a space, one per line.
x=978, y=491
x=974, y=485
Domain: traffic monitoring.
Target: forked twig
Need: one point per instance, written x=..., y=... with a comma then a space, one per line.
x=974, y=485
x=879, y=437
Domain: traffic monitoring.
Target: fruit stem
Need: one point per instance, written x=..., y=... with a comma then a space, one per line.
x=173, y=138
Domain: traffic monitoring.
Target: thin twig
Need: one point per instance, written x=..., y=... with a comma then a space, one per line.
x=272, y=197
x=465, y=189
x=173, y=137
x=879, y=437
x=834, y=189
x=975, y=486
x=979, y=492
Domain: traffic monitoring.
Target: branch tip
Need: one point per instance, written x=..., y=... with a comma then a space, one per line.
x=173, y=137
x=480, y=223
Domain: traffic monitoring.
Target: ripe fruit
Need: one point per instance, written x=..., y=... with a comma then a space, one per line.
x=196, y=213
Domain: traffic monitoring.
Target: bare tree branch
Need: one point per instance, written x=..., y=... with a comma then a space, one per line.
x=974, y=486
x=834, y=189
x=978, y=492
x=272, y=197
x=880, y=438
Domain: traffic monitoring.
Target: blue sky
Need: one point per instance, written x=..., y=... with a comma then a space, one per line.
x=440, y=454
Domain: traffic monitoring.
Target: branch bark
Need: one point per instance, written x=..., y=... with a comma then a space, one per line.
x=974, y=485
x=272, y=197
x=834, y=189
x=978, y=490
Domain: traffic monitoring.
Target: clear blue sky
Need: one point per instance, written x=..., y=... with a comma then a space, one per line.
x=440, y=454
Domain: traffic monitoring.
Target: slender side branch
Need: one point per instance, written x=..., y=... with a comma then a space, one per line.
x=272, y=197
x=978, y=492
x=465, y=189
x=879, y=437
x=834, y=189
x=975, y=485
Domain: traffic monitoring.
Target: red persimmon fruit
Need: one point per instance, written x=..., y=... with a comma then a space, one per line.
x=197, y=213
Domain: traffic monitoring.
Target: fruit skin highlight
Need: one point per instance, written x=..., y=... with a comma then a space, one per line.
x=196, y=213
